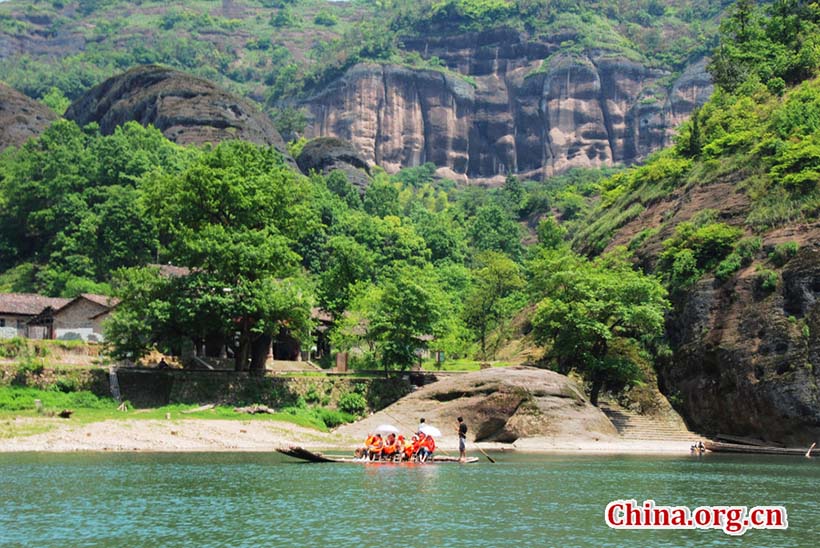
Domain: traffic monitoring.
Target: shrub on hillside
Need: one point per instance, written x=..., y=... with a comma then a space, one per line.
x=353, y=403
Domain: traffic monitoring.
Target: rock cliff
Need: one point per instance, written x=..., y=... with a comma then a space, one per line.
x=187, y=109
x=746, y=360
x=21, y=117
x=506, y=104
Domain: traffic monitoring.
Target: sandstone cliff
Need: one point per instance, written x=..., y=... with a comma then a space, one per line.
x=526, y=107
x=188, y=110
x=21, y=118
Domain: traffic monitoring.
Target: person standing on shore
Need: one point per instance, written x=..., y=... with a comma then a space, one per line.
x=462, y=440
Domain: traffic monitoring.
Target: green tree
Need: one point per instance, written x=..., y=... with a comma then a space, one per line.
x=233, y=217
x=487, y=305
x=493, y=229
x=588, y=312
x=381, y=198
x=56, y=101
x=396, y=318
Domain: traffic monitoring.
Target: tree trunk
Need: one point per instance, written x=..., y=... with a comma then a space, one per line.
x=597, y=384
x=259, y=353
x=243, y=352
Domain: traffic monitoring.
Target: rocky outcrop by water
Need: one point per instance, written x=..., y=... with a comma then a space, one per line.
x=500, y=404
x=187, y=109
x=746, y=360
x=21, y=118
x=526, y=106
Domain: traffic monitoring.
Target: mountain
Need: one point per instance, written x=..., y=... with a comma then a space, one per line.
x=728, y=219
x=481, y=89
x=188, y=110
x=21, y=117
x=508, y=104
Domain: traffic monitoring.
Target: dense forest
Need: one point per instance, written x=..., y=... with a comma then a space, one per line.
x=413, y=256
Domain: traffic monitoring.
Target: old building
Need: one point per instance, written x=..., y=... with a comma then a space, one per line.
x=17, y=309
x=79, y=318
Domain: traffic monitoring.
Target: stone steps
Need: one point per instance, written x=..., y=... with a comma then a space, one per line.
x=631, y=425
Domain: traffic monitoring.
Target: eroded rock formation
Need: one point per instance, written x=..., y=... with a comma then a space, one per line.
x=187, y=109
x=21, y=118
x=501, y=404
x=506, y=104
x=746, y=360
x=326, y=154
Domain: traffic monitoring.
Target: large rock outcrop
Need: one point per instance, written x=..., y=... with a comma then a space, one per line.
x=326, y=154
x=501, y=404
x=506, y=104
x=746, y=360
x=21, y=118
x=187, y=109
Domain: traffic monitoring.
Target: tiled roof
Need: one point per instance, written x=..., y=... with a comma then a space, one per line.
x=102, y=300
x=28, y=304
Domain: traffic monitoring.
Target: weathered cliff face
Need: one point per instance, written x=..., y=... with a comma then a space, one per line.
x=187, y=109
x=745, y=361
x=21, y=118
x=534, y=110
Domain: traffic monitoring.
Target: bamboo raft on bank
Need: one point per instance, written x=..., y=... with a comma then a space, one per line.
x=311, y=456
x=720, y=447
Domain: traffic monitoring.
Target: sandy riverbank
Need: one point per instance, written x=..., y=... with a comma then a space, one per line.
x=229, y=435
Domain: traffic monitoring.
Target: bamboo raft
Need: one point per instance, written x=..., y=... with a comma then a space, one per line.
x=311, y=456
x=720, y=447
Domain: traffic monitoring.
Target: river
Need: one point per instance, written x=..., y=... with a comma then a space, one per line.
x=262, y=500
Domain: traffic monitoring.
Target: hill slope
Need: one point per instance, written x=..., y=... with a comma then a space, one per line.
x=728, y=218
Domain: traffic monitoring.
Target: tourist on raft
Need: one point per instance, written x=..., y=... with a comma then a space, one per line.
x=395, y=448
x=427, y=446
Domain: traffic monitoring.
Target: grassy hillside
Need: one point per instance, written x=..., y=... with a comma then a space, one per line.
x=756, y=142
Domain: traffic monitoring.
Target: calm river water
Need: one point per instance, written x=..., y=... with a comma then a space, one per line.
x=260, y=500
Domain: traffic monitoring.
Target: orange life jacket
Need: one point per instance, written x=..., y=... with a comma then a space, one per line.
x=377, y=446
x=409, y=449
x=369, y=441
x=430, y=443
x=389, y=448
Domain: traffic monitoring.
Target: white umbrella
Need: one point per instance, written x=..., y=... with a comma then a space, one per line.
x=387, y=429
x=430, y=430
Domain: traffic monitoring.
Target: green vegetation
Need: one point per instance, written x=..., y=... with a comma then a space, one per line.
x=600, y=318
x=293, y=46
x=762, y=133
x=413, y=262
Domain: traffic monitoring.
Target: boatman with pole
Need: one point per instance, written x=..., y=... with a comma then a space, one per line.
x=462, y=440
